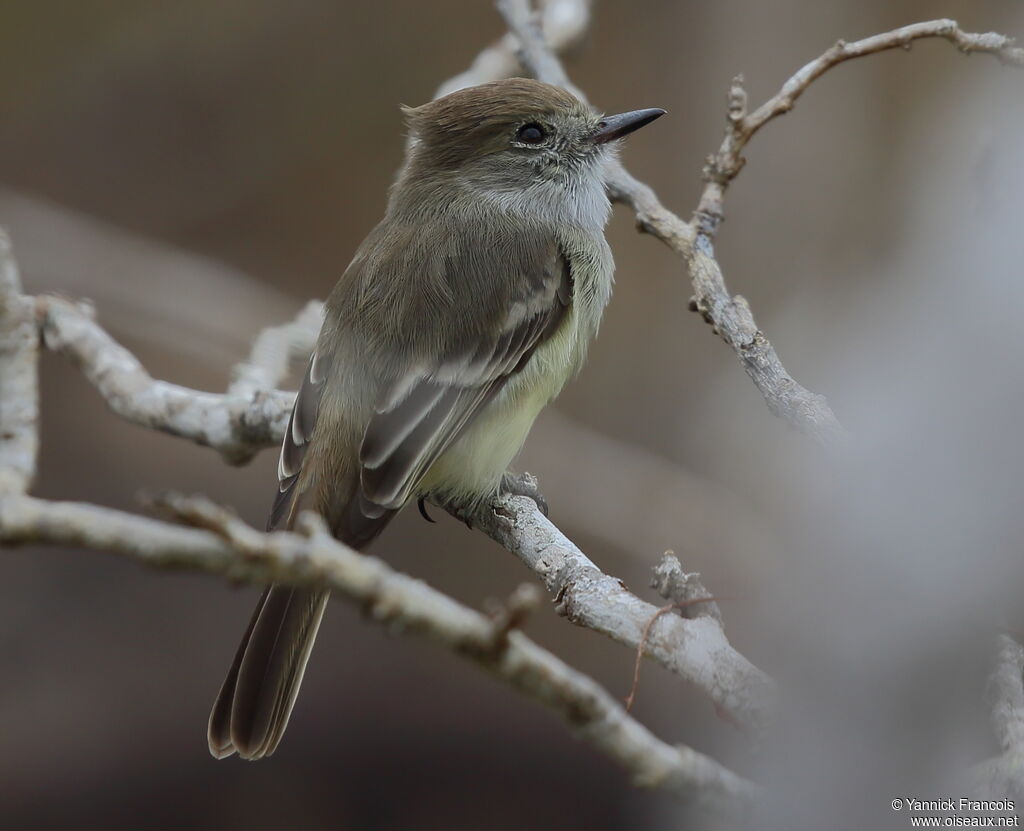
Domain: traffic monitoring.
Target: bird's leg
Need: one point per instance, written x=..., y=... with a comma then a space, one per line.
x=515, y=484
x=524, y=484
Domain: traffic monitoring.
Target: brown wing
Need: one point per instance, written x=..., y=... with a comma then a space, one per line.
x=424, y=411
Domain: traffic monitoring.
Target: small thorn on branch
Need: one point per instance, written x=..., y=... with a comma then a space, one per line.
x=737, y=101
x=684, y=589
x=512, y=613
x=311, y=525
x=197, y=511
x=688, y=596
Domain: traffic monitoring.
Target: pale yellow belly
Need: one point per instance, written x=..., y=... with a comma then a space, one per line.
x=473, y=466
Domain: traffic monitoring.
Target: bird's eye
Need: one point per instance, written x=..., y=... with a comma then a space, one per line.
x=531, y=134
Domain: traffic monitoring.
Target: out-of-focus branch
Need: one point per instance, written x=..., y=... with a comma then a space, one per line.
x=221, y=544
x=275, y=350
x=1003, y=776
x=697, y=650
x=563, y=22
x=536, y=53
x=19, y=393
x=154, y=294
x=237, y=425
x=1006, y=694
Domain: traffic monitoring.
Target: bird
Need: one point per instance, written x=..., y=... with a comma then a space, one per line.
x=462, y=314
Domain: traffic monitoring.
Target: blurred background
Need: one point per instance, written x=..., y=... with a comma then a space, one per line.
x=202, y=169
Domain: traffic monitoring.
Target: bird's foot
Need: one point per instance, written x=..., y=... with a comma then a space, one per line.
x=457, y=510
x=524, y=484
x=421, y=505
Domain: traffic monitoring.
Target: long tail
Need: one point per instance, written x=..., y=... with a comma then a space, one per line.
x=256, y=699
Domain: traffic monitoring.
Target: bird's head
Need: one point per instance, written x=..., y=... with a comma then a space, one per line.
x=514, y=135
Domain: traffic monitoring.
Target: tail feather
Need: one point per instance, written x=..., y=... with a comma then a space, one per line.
x=256, y=699
x=219, y=728
x=289, y=688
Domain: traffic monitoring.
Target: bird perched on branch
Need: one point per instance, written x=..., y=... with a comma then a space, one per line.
x=462, y=314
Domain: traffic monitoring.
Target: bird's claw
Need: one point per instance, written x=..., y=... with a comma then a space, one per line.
x=422, y=506
x=454, y=509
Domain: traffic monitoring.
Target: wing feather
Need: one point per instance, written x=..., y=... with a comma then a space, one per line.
x=301, y=424
x=423, y=412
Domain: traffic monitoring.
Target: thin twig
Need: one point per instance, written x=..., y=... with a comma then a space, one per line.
x=671, y=607
x=727, y=162
x=631, y=698
x=19, y=393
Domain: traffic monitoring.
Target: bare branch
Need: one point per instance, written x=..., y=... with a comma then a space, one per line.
x=726, y=164
x=697, y=650
x=19, y=393
x=1003, y=776
x=149, y=291
x=275, y=350
x=1001, y=46
x=1006, y=694
x=563, y=23
x=222, y=544
x=236, y=425
x=687, y=596
x=730, y=316
x=536, y=54
x=512, y=614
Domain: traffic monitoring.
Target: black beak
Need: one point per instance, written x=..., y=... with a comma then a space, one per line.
x=613, y=127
